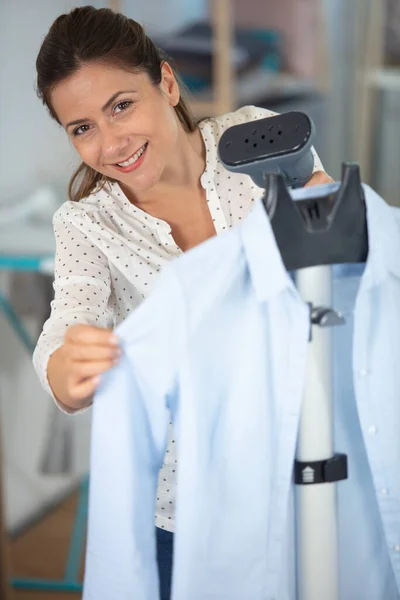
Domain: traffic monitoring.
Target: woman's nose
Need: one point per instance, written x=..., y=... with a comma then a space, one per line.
x=113, y=144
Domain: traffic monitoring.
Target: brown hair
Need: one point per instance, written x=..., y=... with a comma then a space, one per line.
x=85, y=35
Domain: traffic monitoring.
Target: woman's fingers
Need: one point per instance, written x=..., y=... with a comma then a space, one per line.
x=83, y=390
x=94, y=353
x=83, y=370
x=91, y=336
x=318, y=178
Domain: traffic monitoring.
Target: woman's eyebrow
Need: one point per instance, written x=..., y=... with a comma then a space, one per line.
x=114, y=96
x=107, y=104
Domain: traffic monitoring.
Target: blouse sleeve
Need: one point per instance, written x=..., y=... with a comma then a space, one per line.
x=82, y=287
x=317, y=162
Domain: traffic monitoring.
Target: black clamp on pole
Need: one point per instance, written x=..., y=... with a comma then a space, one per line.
x=321, y=471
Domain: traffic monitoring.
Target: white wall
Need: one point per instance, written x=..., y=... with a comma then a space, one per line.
x=346, y=27
x=33, y=149
x=339, y=15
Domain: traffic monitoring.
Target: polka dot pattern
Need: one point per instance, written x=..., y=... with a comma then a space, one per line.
x=109, y=252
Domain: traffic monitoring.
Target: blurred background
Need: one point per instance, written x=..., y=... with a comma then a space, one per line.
x=337, y=60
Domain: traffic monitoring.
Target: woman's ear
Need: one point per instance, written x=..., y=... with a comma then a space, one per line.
x=169, y=85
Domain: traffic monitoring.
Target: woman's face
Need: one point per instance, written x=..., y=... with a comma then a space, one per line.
x=121, y=124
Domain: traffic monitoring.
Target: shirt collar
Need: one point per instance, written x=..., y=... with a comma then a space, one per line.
x=267, y=271
x=383, y=240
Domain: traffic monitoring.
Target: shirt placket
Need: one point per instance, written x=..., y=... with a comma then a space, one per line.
x=165, y=238
x=216, y=211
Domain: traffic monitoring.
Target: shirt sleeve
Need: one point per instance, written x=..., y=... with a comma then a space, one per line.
x=128, y=441
x=82, y=287
x=318, y=166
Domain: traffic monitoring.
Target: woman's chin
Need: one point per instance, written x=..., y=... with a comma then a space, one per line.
x=138, y=185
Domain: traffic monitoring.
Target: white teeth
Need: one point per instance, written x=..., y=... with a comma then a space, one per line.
x=134, y=158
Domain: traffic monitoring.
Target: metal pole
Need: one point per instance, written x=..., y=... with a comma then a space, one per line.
x=317, y=559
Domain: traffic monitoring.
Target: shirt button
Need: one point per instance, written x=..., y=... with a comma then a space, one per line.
x=372, y=430
x=396, y=547
x=384, y=492
x=364, y=372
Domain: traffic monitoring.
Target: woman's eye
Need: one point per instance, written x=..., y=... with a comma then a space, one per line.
x=81, y=129
x=122, y=106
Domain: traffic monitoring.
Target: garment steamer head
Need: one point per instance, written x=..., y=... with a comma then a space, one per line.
x=279, y=144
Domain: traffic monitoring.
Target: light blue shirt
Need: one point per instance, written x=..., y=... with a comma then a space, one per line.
x=222, y=345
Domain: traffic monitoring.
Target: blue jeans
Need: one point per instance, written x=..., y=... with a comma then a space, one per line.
x=164, y=559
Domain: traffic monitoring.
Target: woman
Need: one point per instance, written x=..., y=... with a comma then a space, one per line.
x=150, y=187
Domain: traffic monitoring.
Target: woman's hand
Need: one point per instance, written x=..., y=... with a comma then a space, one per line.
x=318, y=178
x=74, y=369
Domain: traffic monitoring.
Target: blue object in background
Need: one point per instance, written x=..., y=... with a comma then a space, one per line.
x=191, y=50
